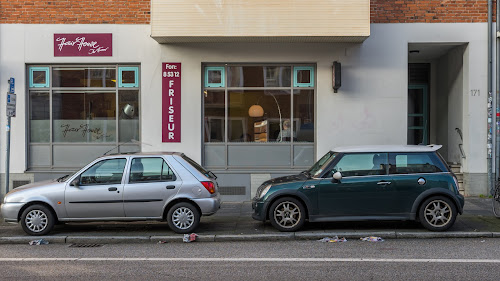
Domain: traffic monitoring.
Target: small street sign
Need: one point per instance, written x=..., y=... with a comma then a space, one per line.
x=11, y=105
x=12, y=85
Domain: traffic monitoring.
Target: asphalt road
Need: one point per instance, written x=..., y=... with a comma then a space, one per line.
x=420, y=259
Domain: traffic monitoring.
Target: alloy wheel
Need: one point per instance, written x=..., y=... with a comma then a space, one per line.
x=287, y=214
x=438, y=213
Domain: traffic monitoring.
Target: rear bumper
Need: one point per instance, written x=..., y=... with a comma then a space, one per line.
x=10, y=211
x=208, y=206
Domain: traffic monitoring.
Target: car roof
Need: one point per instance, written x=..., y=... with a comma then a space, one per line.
x=145, y=153
x=388, y=148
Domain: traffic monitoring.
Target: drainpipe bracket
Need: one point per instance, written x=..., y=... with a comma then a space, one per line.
x=498, y=34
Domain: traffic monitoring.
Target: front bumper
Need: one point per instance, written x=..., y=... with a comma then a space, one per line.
x=259, y=210
x=10, y=211
x=208, y=206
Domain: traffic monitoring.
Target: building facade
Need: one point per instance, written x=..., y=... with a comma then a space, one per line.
x=245, y=87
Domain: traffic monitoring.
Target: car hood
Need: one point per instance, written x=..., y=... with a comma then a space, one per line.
x=291, y=178
x=48, y=184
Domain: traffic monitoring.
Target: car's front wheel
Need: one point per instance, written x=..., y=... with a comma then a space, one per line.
x=183, y=217
x=437, y=213
x=37, y=220
x=287, y=214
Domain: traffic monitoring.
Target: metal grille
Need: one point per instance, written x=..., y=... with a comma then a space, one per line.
x=19, y=183
x=85, y=245
x=232, y=190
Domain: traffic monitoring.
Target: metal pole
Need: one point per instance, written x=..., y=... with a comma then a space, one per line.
x=497, y=96
x=7, y=157
x=490, y=103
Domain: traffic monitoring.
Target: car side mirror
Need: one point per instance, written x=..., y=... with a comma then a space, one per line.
x=337, y=176
x=75, y=182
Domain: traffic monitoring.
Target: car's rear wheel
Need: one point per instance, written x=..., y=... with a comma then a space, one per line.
x=287, y=214
x=437, y=213
x=37, y=220
x=183, y=217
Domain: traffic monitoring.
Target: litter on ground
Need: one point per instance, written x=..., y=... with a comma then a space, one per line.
x=372, y=239
x=333, y=239
x=39, y=242
x=189, y=237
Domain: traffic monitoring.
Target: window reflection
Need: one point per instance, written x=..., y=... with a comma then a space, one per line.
x=214, y=103
x=128, y=116
x=259, y=76
x=243, y=127
x=83, y=77
x=39, y=117
x=303, y=112
x=84, y=117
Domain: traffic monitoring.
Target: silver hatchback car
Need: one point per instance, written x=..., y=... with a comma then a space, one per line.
x=123, y=187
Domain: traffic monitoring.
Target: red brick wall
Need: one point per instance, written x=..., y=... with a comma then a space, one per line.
x=138, y=11
x=75, y=11
x=397, y=11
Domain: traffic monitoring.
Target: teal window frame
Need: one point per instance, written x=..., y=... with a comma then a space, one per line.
x=47, y=76
x=222, y=77
x=128, y=85
x=296, y=70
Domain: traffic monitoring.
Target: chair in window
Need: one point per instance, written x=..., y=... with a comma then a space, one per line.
x=136, y=171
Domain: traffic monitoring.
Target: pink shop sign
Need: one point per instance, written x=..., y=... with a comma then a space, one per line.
x=83, y=45
x=171, y=102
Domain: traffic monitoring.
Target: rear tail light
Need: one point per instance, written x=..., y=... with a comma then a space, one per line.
x=209, y=186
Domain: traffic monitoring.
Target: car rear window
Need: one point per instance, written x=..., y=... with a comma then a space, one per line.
x=412, y=163
x=196, y=166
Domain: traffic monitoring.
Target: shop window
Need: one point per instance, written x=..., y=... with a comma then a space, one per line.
x=260, y=118
x=39, y=77
x=214, y=77
x=84, y=115
x=128, y=77
x=303, y=76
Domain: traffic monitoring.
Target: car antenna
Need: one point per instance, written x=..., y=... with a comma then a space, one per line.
x=132, y=141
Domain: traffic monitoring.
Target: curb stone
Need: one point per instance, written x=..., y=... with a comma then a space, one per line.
x=428, y=235
x=249, y=237
x=27, y=239
x=107, y=239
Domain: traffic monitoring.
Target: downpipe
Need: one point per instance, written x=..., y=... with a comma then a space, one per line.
x=490, y=107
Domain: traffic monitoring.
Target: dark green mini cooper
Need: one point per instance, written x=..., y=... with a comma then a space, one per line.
x=410, y=182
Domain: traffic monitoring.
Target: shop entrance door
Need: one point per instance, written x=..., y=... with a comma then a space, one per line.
x=418, y=114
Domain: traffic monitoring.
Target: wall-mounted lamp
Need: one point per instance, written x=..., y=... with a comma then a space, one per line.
x=336, y=78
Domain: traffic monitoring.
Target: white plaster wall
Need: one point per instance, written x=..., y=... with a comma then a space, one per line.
x=369, y=108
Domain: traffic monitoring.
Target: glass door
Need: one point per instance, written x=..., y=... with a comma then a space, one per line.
x=418, y=114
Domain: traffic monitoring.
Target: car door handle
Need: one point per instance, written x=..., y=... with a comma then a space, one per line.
x=170, y=186
x=383, y=182
x=112, y=189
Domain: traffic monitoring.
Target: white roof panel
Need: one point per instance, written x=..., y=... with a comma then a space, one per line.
x=388, y=148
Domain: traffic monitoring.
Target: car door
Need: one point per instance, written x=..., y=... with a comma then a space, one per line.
x=414, y=173
x=364, y=190
x=99, y=192
x=150, y=183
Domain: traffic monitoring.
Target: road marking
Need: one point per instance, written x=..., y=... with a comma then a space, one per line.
x=277, y=260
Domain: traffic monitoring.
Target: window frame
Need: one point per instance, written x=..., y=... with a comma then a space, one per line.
x=109, y=159
x=174, y=178
x=121, y=69
x=295, y=146
x=222, y=69
x=46, y=69
x=48, y=151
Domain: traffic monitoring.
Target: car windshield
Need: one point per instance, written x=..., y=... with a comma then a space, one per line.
x=318, y=167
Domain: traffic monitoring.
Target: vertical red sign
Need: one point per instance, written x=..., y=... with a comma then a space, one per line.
x=171, y=102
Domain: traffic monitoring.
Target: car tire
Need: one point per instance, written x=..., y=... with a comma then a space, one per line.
x=183, y=218
x=287, y=214
x=37, y=220
x=437, y=213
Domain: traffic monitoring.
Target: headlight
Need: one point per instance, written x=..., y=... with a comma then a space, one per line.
x=264, y=191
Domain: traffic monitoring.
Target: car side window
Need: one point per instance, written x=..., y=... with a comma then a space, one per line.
x=412, y=163
x=361, y=164
x=150, y=169
x=108, y=171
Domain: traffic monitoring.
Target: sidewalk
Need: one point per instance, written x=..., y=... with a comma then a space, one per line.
x=233, y=222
